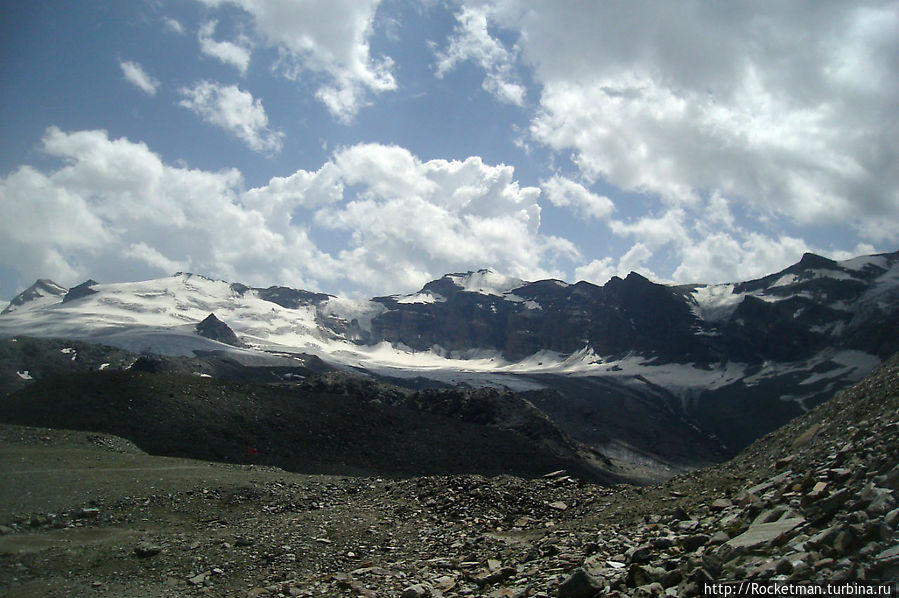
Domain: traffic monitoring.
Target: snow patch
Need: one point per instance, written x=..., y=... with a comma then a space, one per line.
x=854, y=365
x=348, y=309
x=784, y=281
x=486, y=282
x=866, y=261
x=424, y=297
x=716, y=303
x=527, y=303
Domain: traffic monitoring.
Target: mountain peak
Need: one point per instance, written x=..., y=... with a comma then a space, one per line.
x=213, y=328
x=812, y=261
x=82, y=290
x=42, y=288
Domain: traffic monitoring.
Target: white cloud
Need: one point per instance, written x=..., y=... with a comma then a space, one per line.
x=597, y=271
x=237, y=55
x=136, y=75
x=720, y=257
x=113, y=209
x=635, y=261
x=324, y=38
x=234, y=110
x=154, y=258
x=787, y=109
x=564, y=192
x=423, y=219
x=654, y=232
x=174, y=25
x=471, y=41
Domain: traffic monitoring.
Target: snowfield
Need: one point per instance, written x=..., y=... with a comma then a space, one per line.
x=160, y=316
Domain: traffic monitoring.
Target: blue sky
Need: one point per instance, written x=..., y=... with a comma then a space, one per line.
x=366, y=147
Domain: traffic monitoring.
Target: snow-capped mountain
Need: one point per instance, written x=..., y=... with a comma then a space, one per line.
x=44, y=291
x=735, y=359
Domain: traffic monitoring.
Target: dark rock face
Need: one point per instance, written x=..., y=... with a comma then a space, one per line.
x=787, y=316
x=633, y=314
x=215, y=329
x=290, y=298
x=82, y=290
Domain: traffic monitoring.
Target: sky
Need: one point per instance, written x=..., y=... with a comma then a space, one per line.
x=365, y=147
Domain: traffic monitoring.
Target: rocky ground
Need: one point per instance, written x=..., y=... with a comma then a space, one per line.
x=91, y=515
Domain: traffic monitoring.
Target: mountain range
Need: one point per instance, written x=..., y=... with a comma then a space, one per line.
x=666, y=376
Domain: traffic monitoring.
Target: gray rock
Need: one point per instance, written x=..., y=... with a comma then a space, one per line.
x=824, y=508
x=889, y=557
x=712, y=563
x=882, y=503
x=662, y=543
x=419, y=590
x=672, y=578
x=679, y=514
x=843, y=542
x=765, y=534
x=783, y=566
x=889, y=479
x=639, y=554
x=692, y=543
x=649, y=590
x=147, y=549
x=493, y=577
x=769, y=515
x=579, y=584
x=891, y=519
x=637, y=575
x=825, y=538
x=700, y=576
x=689, y=525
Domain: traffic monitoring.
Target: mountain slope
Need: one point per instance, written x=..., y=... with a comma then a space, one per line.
x=292, y=428
x=791, y=315
x=717, y=364
x=815, y=501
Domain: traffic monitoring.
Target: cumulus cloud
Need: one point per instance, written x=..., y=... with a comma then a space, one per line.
x=720, y=257
x=112, y=207
x=471, y=41
x=564, y=192
x=655, y=231
x=154, y=258
x=136, y=75
x=413, y=220
x=328, y=39
x=236, y=111
x=787, y=109
x=237, y=55
x=597, y=271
